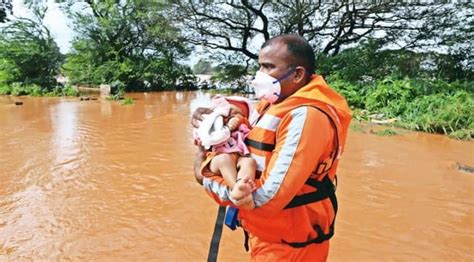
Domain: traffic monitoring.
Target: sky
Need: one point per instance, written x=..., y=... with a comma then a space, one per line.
x=60, y=27
x=55, y=20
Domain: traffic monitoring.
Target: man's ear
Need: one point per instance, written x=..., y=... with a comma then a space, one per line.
x=300, y=74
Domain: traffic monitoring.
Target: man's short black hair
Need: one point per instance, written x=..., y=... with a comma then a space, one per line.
x=299, y=49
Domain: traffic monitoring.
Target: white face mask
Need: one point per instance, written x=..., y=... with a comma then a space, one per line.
x=267, y=87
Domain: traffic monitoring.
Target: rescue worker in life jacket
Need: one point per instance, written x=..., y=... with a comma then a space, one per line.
x=296, y=142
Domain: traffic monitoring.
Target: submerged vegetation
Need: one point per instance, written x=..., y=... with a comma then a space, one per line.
x=386, y=132
x=128, y=101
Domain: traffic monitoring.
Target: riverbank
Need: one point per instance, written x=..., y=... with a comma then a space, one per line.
x=17, y=89
x=428, y=105
x=391, y=125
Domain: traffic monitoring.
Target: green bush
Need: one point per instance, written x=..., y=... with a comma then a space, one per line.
x=21, y=89
x=354, y=93
x=434, y=106
x=62, y=91
x=440, y=113
x=128, y=101
x=435, y=86
x=69, y=91
x=117, y=90
x=390, y=96
x=17, y=90
x=33, y=90
x=5, y=89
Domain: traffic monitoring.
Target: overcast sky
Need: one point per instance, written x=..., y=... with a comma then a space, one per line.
x=59, y=25
x=55, y=20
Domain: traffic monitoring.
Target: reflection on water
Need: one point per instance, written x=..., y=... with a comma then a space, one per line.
x=95, y=180
x=65, y=136
x=106, y=108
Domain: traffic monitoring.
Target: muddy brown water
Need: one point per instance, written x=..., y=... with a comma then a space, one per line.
x=98, y=181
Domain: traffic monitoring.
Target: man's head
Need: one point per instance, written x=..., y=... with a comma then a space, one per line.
x=289, y=57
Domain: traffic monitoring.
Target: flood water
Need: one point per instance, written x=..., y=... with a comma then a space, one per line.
x=99, y=181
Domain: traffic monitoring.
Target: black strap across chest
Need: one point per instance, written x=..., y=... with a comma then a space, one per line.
x=324, y=189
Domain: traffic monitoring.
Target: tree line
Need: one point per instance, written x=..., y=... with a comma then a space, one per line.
x=143, y=45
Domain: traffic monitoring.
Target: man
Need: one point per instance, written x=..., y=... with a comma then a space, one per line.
x=296, y=142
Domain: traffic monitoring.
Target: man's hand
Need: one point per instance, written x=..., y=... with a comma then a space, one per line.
x=197, y=115
x=200, y=157
x=201, y=153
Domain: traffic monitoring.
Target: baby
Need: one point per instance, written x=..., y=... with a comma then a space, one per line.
x=222, y=133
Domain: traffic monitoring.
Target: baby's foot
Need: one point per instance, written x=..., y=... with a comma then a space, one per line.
x=241, y=189
x=242, y=193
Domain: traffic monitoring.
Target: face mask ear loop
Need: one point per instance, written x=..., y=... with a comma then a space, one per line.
x=284, y=76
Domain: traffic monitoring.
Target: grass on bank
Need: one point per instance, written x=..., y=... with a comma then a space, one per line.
x=432, y=106
x=18, y=89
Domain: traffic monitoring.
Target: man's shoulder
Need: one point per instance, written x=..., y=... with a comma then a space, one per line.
x=308, y=114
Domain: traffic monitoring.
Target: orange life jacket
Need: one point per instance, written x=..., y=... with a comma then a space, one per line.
x=308, y=216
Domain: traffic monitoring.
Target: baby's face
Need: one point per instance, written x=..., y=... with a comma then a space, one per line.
x=235, y=110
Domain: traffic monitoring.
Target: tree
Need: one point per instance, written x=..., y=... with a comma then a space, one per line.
x=231, y=75
x=202, y=67
x=368, y=61
x=329, y=26
x=28, y=52
x=5, y=8
x=127, y=41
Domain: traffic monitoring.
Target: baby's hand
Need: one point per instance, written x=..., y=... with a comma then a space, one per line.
x=233, y=123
